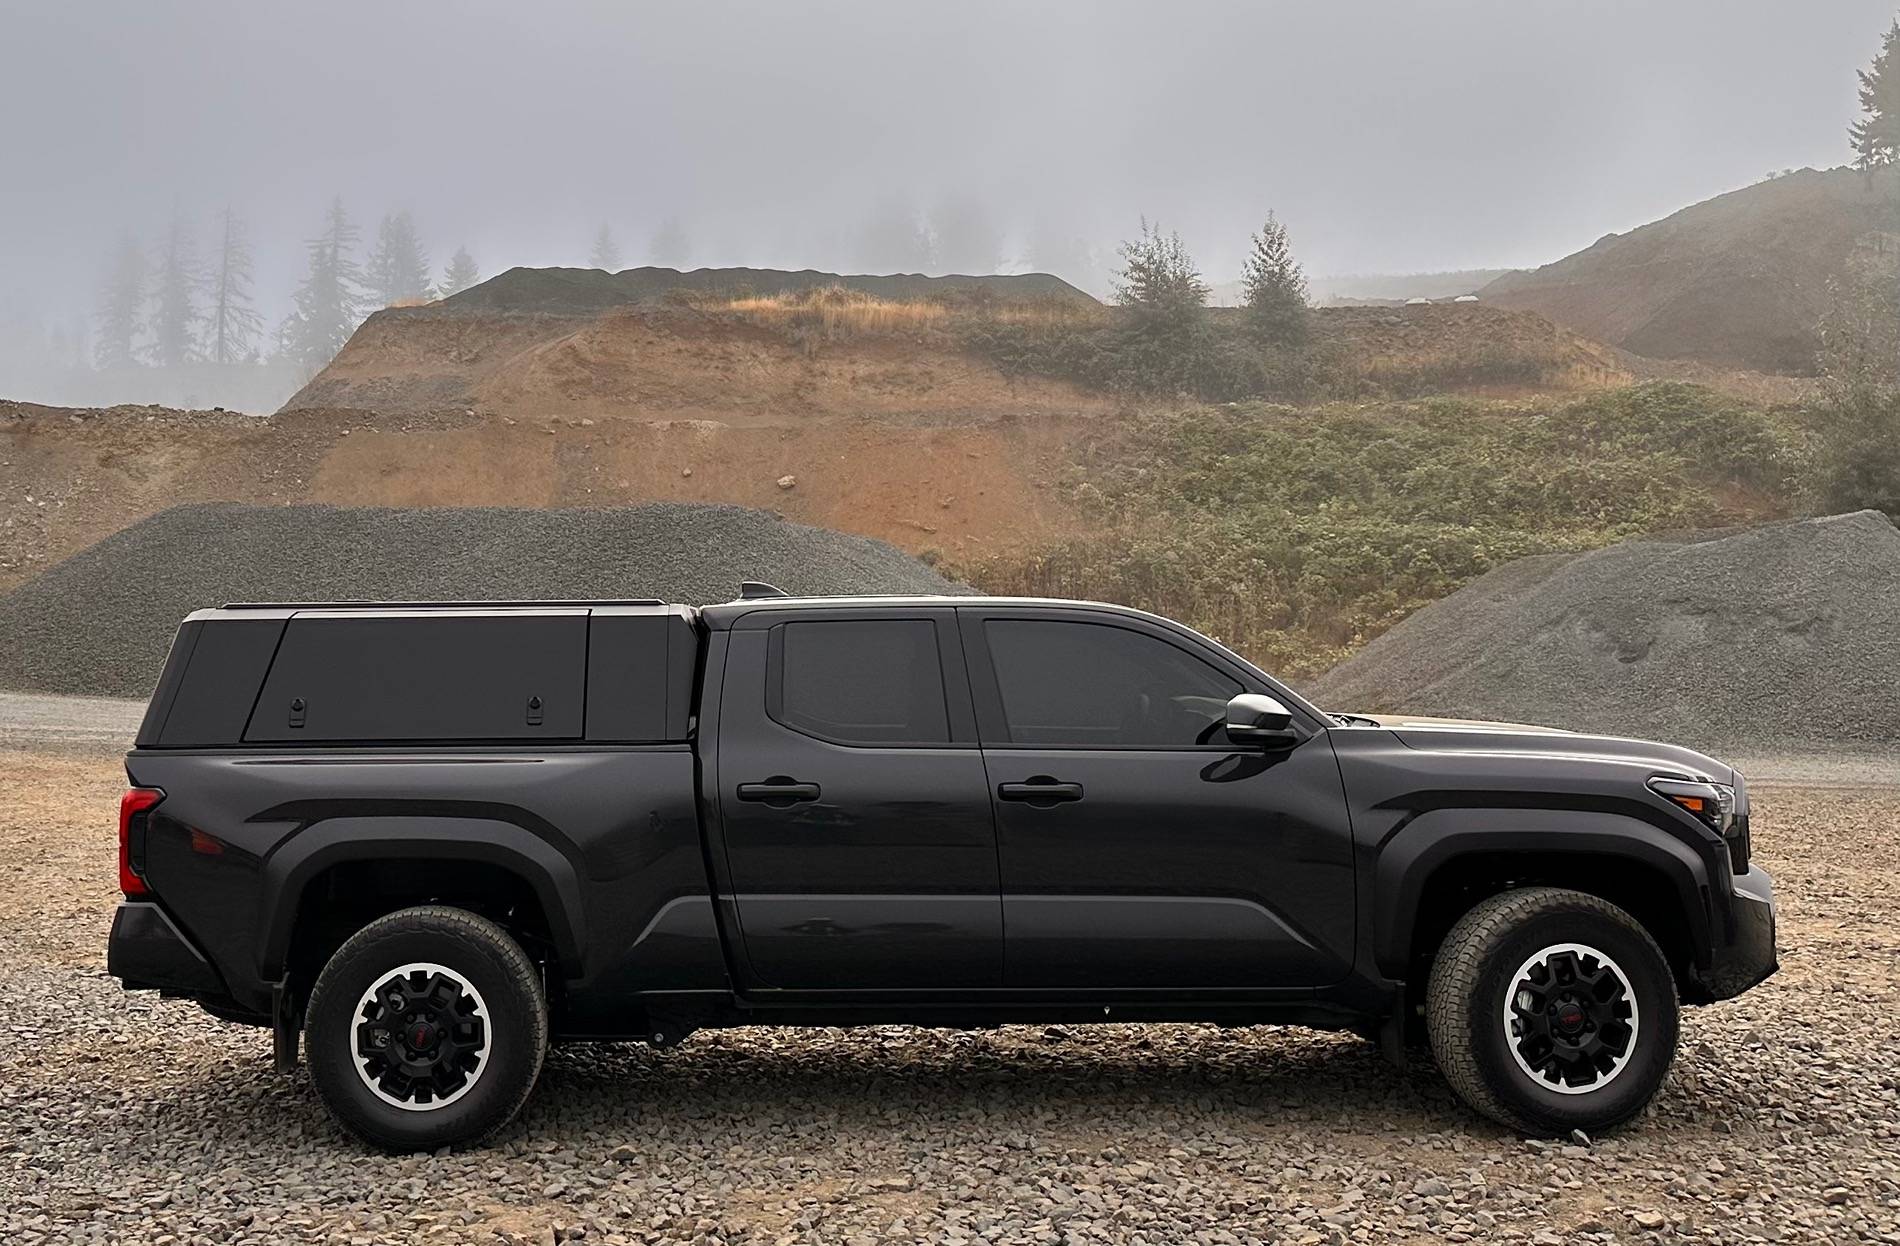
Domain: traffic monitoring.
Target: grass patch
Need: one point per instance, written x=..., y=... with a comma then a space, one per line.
x=1298, y=535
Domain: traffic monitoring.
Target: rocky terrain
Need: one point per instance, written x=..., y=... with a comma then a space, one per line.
x=128, y=1117
x=1782, y=636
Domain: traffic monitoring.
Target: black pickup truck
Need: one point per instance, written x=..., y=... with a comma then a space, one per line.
x=426, y=840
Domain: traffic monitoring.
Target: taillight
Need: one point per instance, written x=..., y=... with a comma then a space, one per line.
x=133, y=806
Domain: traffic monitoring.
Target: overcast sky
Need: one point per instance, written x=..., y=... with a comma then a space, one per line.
x=1391, y=135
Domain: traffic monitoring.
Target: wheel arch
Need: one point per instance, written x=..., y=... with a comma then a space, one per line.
x=383, y=854
x=1446, y=861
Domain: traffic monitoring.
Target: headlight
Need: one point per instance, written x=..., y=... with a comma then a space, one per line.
x=1713, y=803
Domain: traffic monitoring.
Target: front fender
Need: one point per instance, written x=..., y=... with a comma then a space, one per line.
x=335, y=841
x=1409, y=858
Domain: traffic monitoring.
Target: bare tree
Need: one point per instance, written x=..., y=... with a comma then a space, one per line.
x=234, y=322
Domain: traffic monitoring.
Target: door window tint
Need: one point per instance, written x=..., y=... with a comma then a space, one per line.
x=1091, y=685
x=871, y=682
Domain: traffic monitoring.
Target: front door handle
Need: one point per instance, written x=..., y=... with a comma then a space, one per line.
x=1040, y=790
x=779, y=791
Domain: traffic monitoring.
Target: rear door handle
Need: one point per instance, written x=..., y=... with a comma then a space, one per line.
x=1040, y=790
x=779, y=790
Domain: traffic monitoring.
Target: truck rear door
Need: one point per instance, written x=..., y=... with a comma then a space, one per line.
x=854, y=810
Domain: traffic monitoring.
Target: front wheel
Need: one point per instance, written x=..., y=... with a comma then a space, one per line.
x=1552, y=1010
x=427, y=1029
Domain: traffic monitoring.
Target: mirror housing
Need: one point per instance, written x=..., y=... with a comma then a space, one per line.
x=1255, y=718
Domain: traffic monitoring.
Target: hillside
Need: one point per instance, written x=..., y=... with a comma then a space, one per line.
x=591, y=289
x=1740, y=280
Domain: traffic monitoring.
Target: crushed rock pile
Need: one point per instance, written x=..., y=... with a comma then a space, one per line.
x=100, y=622
x=1786, y=636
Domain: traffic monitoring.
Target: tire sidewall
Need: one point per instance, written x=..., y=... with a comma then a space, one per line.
x=513, y=1061
x=1650, y=981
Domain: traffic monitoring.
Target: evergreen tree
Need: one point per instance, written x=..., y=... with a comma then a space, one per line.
x=895, y=240
x=231, y=336
x=670, y=247
x=1876, y=136
x=606, y=256
x=121, y=305
x=967, y=238
x=1273, y=286
x=175, y=312
x=326, y=305
x=1160, y=284
x=398, y=269
x=460, y=274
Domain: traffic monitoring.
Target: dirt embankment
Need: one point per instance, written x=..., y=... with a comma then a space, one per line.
x=1741, y=280
x=71, y=478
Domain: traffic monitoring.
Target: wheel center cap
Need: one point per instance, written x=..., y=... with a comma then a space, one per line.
x=422, y=1037
x=1570, y=1018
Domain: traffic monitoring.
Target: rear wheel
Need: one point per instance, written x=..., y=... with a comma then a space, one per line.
x=426, y=1029
x=1552, y=1010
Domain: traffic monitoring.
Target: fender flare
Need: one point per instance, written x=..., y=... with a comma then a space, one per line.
x=1438, y=837
x=336, y=841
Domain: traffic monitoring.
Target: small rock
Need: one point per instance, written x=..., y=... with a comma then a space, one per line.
x=787, y=482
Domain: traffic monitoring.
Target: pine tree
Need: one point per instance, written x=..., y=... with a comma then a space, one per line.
x=121, y=305
x=606, y=256
x=460, y=274
x=1876, y=136
x=231, y=336
x=175, y=312
x=326, y=304
x=967, y=237
x=1274, y=286
x=1159, y=282
x=895, y=240
x=398, y=269
x=670, y=247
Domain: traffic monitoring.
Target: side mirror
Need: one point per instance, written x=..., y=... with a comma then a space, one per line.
x=1254, y=718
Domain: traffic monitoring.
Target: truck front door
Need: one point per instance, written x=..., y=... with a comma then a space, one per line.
x=854, y=812
x=1140, y=849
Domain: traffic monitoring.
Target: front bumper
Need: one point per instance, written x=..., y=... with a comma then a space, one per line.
x=147, y=952
x=1748, y=954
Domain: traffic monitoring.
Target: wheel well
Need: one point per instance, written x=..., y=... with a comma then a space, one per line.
x=1640, y=890
x=348, y=896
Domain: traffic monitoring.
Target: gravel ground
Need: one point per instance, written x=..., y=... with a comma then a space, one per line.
x=123, y=1117
x=1766, y=640
x=100, y=622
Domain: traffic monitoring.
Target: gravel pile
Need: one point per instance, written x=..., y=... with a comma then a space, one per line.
x=129, y=1118
x=1784, y=636
x=99, y=623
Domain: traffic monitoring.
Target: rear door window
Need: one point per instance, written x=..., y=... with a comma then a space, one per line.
x=870, y=681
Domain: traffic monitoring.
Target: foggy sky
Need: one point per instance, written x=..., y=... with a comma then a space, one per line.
x=1393, y=136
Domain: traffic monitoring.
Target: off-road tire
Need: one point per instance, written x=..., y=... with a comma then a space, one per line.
x=516, y=1028
x=1468, y=992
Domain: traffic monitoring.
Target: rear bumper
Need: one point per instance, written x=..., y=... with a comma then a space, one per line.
x=147, y=952
x=1748, y=956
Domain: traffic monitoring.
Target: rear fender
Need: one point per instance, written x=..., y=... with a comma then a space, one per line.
x=336, y=841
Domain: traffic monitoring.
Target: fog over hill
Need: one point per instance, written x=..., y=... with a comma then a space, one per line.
x=855, y=138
